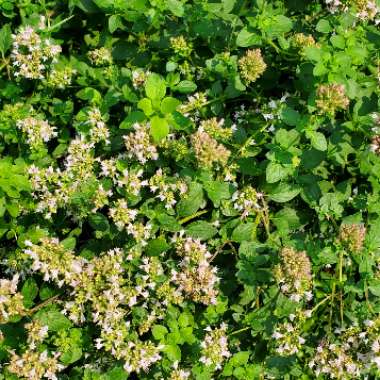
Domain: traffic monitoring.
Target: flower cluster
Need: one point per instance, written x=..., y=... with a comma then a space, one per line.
x=366, y=9
x=55, y=188
x=208, y=151
x=100, y=57
x=362, y=9
x=300, y=41
x=375, y=145
x=35, y=364
x=37, y=332
x=38, y=131
x=181, y=46
x=215, y=129
x=247, y=201
x=60, y=78
x=215, y=347
x=331, y=98
x=196, y=277
x=139, y=76
x=252, y=65
x=287, y=339
x=194, y=103
x=139, y=145
x=98, y=131
x=354, y=353
x=165, y=189
x=32, y=54
x=294, y=273
x=352, y=236
x=179, y=374
x=11, y=301
x=100, y=283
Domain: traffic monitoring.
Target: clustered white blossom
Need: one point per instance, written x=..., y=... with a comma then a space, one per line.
x=293, y=274
x=215, y=347
x=139, y=76
x=247, y=201
x=100, y=283
x=38, y=131
x=11, y=301
x=101, y=56
x=355, y=352
x=362, y=9
x=287, y=338
x=53, y=187
x=178, y=373
x=194, y=104
x=139, y=145
x=32, y=54
x=60, y=77
x=165, y=189
x=99, y=131
x=35, y=364
x=196, y=277
x=104, y=287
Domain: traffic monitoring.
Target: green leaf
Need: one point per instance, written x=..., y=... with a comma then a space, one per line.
x=277, y=25
x=287, y=220
x=284, y=192
x=320, y=69
x=217, y=191
x=176, y=7
x=155, y=87
x=29, y=291
x=159, y=128
x=117, y=373
x=90, y=94
x=192, y=202
x=318, y=140
x=159, y=332
x=338, y=41
x=169, y=104
x=5, y=38
x=323, y=26
x=168, y=222
x=156, y=246
x=105, y=5
x=115, y=22
x=243, y=232
x=201, y=230
x=173, y=352
x=145, y=105
x=99, y=222
x=132, y=118
x=54, y=319
x=290, y=116
x=246, y=38
x=72, y=355
x=275, y=172
x=185, y=87
x=69, y=243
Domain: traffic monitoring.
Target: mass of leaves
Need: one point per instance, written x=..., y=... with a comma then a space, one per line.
x=189, y=189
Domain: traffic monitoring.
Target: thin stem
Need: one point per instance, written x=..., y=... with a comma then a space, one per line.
x=60, y=23
x=193, y=216
x=320, y=303
x=41, y=305
x=239, y=331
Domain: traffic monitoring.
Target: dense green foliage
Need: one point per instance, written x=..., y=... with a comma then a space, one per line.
x=189, y=189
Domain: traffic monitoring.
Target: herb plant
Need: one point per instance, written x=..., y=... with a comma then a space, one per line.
x=189, y=189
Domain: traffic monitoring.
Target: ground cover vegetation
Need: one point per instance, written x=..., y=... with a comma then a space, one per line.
x=189, y=189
